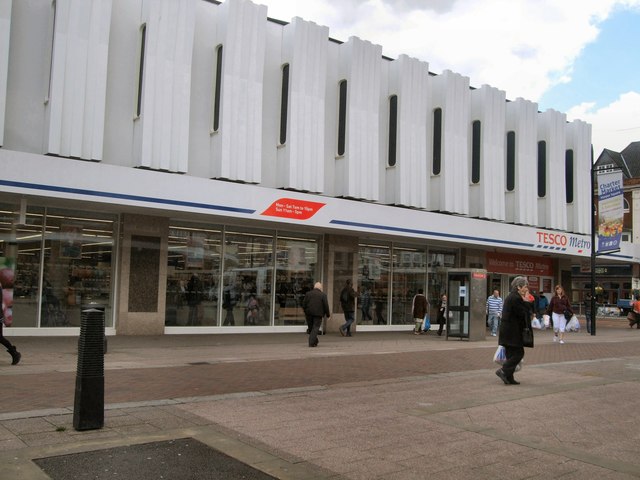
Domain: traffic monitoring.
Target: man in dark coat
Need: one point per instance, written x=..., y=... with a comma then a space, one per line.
x=316, y=307
x=516, y=314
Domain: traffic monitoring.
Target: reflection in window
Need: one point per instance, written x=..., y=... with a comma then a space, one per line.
x=193, y=275
x=77, y=260
x=373, y=284
x=409, y=275
x=296, y=273
x=247, y=279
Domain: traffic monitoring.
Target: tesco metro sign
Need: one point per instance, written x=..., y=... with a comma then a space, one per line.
x=562, y=241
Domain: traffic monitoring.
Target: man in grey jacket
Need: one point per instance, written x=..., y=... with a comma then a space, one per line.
x=316, y=307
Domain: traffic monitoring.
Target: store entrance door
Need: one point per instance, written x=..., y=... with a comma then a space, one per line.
x=467, y=299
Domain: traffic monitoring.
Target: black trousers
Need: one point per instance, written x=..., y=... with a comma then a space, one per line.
x=3, y=340
x=514, y=356
x=313, y=336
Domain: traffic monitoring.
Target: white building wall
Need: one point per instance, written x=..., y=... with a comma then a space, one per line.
x=407, y=182
x=174, y=132
x=161, y=133
x=522, y=203
x=552, y=208
x=579, y=212
x=301, y=157
x=236, y=147
x=77, y=91
x=357, y=173
x=487, y=197
x=449, y=191
x=5, y=30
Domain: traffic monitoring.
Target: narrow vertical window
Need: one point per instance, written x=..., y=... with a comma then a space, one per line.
x=542, y=169
x=284, y=103
x=437, y=141
x=393, y=129
x=143, y=39
x=52, y=27
x=342, y=117
x=511, y=161
x=568, y=175
x=476, y=132
x=217, y=89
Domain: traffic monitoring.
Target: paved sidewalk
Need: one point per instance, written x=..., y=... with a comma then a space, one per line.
x=377, y=405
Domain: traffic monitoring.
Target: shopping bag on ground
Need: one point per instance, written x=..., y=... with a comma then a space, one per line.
x=500, y=356
x=535, y=323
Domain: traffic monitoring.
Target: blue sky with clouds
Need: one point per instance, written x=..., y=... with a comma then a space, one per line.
x=580, y=57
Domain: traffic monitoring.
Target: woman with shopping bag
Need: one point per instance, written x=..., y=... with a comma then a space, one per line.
x=516, y=322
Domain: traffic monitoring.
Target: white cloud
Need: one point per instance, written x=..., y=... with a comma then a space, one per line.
x=613, y=126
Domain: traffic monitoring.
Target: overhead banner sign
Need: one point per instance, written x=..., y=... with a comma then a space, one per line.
x=610, y=211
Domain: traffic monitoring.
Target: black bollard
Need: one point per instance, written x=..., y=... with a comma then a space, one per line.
x=88, y=409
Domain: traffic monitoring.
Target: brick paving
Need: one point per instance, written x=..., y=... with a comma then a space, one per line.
x=365, y=407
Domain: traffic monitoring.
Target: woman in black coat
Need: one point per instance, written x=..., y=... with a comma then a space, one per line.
x=516, y=315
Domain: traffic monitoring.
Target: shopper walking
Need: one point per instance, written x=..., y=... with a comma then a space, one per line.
x=15, y=355
x=494, y=311
x=516, y=315
x=316, y=307
x=559, y=309
x=419, y=309
x=348, y=303
x=442, y=313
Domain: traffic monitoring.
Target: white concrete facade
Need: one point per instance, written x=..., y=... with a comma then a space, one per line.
x=175, y=108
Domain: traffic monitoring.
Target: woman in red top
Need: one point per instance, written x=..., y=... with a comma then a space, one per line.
x=558, y=308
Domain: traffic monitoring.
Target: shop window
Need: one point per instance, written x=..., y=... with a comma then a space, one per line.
x=342, y=117
x=217, y=90
x=141, y=61
x=393, y=130
x=568, y=175
x=247, y=279
x=409, y=274
x=542, y=169
x=511, y=161
x=437, y=141
x=77, y=270
x=373, y=284
x=20, y=261
x=476, y=139
x=297, y=270
x=284, y=102
x=193, y=275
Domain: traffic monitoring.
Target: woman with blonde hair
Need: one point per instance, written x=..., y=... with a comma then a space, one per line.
x=559, y=309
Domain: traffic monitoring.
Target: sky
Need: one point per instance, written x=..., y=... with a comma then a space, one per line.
x=579, y=57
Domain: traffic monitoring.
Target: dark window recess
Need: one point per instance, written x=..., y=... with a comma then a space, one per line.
x=511, y=161
x=437, y=141
x=342, y=117
x=568, y=175
x=476, y=134
x=393, y=129
x=284, y=103
x=542, y=169
x=217, y=90
x=143, y=40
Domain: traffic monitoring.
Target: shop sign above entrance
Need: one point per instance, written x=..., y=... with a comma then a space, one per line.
x=293, y=208
x=519, y=264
